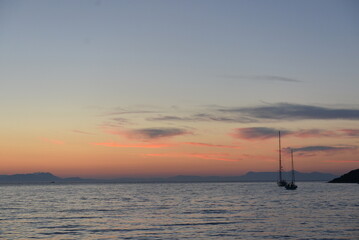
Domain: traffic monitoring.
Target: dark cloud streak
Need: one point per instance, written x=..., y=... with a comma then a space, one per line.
x=266, y=133
x=286, y=111
x=155, y=133
x=206, y=117
x=171, y=118
x=323, y=148
x=130, y=112
x=261, y=78
x=258, y=133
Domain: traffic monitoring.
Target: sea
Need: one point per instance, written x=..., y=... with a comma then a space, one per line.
x=316, y=210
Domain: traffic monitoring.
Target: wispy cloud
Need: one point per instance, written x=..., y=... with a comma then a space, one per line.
x=261, y=78
x=220, y=117
x=123, y=112
x=171, y=118
x=115, y=123
x=255, y=114
x=120, y=120
x=53, y=141
x=210, y=145
x=119, y=145
x=82, y=132
x=133, y=110
x=287, y=111
x=206, y=117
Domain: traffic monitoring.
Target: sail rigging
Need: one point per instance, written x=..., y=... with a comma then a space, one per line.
x=281, y=182
x=291, y=185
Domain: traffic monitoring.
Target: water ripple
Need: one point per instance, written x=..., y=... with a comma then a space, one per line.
x=179, y=211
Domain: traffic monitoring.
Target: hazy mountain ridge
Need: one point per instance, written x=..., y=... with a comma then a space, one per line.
x=257, y=177
x=29, y=177
x=248, y=177
x=40, y=177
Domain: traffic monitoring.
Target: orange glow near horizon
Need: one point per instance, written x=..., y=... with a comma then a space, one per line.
x=118, y=145
x=170, y=151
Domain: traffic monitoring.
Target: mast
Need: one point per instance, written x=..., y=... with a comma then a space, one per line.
x=291, y=151
x=280, y=160
x=291, y=186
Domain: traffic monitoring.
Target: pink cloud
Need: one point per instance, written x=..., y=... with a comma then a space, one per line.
x=350, y=132
x=267, y=158
x=118, y=145
x=343, y=161
x=158, y=154
x=210, y=145
x=205, y=156
x=212, y=156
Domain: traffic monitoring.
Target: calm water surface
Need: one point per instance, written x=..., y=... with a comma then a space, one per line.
x=179, y=211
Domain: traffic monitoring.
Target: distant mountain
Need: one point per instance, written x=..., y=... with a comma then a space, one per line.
x=350, y=177
x=40, y=177
x=255, y=177
x=299, y=176
x=31, y=177
x=249, y=177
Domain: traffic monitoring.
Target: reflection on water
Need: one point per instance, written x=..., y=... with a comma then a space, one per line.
x=179, y=211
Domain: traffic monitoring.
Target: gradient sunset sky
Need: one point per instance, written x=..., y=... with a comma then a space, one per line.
x=161, y=88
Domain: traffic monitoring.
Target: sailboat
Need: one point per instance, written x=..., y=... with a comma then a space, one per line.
x=291, y=185
x=281, y=182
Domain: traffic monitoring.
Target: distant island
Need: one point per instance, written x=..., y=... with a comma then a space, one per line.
x=350, y=177
x=40, y=177
x=249, y=177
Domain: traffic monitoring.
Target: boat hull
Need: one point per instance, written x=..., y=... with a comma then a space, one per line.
x=282, y=183
x=291, y=186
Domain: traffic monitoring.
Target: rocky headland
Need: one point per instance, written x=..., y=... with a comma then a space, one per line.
x=350, y=177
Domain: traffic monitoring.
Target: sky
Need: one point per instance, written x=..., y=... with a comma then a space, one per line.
x=162, y=88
